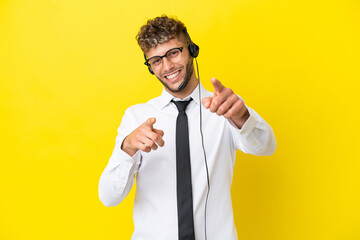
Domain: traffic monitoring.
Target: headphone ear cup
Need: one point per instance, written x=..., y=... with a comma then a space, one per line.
x=193, y=50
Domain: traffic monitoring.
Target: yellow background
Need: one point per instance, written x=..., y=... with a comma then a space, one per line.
x=70, y=68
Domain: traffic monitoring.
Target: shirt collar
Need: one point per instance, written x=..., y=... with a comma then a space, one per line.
x=165, y=97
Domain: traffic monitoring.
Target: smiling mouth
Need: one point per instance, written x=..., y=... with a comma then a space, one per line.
x=173, y=75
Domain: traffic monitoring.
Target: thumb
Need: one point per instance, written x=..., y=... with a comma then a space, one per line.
x=206, y=102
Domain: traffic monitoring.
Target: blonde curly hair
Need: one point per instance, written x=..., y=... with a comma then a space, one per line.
x=159, y=30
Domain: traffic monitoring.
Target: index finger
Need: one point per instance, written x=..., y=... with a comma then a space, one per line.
x=150, y=122
x=218, y=87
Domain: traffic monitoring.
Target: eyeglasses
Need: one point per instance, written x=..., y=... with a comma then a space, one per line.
x=173, y=55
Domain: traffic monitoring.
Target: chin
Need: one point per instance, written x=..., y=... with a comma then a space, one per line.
x=173, y=89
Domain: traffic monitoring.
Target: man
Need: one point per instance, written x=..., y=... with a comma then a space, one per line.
x=182, y=157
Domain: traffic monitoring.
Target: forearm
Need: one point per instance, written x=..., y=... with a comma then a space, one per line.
x=116, y=183
x=255, y=136
x=118, y=177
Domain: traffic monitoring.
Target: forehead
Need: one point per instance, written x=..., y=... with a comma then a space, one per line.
x=162, y=48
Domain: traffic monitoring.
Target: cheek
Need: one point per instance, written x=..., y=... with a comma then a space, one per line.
x=158, y=73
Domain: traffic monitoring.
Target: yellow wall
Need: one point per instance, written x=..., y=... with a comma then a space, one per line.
x=70, y=68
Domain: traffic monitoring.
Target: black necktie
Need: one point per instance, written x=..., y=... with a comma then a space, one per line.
x=183, y=175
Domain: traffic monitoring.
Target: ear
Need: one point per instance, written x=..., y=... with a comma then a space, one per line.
x=150, y=70
x=149, y=67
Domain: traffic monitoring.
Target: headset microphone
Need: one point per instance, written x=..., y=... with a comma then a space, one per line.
x=182, y=85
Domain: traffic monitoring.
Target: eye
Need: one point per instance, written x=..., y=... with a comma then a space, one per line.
x=173, y=53
x=155, y=61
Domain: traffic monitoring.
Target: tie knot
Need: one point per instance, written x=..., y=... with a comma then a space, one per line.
x=181, y=105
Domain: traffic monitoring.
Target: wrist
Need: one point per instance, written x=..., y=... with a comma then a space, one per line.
x=126, y=147
x=239, y=122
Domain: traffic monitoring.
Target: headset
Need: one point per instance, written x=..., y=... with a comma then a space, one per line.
x=194, y=52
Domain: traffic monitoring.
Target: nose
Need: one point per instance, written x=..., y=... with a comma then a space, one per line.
x=166, y=64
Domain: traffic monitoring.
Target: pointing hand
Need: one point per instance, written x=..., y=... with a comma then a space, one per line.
x=143, y=138
x=226, y=103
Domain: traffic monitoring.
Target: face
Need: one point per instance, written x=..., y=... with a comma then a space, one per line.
x=172, y=75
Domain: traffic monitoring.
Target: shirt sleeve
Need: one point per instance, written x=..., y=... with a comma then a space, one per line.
x=255, y=137
x=119, y=174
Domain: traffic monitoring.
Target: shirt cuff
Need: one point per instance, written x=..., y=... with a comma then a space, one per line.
x=248, y=125
x=119, y=157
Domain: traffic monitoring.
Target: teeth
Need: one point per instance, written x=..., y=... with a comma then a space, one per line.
x=172, y=75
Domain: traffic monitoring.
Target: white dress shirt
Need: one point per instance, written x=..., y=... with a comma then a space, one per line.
x=155, y=206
